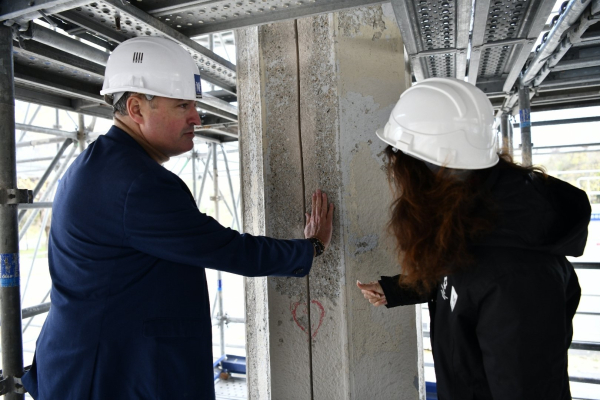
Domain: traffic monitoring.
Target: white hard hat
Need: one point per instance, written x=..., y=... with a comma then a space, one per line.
x=154, y=66
x=444, y=121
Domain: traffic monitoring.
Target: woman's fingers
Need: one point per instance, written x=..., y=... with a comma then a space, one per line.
x=372, y=292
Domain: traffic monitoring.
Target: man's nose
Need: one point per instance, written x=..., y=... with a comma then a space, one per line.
x=194, y=117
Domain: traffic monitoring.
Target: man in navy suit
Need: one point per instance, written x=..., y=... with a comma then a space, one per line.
x=130, y=314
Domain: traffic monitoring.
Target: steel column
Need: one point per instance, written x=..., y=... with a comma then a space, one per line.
x=505, y=134
x=525, y=124
x=204, y=178
x=194, y=155
x=81, y=133
x=235, y=213
x=215, y=178
x=10, y=289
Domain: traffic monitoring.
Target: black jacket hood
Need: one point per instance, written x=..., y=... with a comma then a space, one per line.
x=537, y=213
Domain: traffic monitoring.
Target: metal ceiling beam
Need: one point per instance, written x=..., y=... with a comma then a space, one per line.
x=491, y=86
x=26, y=10
x=311, y=8
x=39, y=50
x=93, y=26
x=536, y=17
x=478, y=36
x=218, y=112
x=567, y=19
x=571, y=79
x=226, y=79
x=409, y=29
x=463, y=22
x=46, y=131
x=54, y=84
x=584, y=62
x=65, y=43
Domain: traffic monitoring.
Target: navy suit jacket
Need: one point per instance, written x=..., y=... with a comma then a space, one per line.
x=130, y=314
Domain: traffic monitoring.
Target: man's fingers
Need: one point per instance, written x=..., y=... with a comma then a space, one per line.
x=314, y=205
x=317, y=210
x=324, y=207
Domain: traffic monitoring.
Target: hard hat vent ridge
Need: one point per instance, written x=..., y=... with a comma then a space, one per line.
x=138, y=57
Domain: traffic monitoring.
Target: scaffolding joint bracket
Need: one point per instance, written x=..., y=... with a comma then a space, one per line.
x=11, y=384
x=15, y=196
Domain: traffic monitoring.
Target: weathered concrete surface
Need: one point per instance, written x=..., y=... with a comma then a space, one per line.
x=274, y=89
x=323, y=95
x=383, y=343
x=253, y=206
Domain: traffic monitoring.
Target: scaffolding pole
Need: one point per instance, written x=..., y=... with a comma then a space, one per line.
x=215, y=177
x=525, y=123
x=194, y=155
x=10, y=289
x=204, y=178
x=505, y=148
x=235, y=211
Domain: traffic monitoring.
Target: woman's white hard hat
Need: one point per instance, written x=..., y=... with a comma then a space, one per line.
x=444, y=121
x=152, y=65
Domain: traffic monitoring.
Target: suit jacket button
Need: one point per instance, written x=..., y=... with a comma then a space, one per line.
x=298, y=271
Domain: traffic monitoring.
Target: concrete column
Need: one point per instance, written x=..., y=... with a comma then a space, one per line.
x=311, y=94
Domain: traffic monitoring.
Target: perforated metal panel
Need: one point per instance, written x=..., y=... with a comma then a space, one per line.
x=126, y=24
x=218, y=11
x=504, y=21
x=437, y=30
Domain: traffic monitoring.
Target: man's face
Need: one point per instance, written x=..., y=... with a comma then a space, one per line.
x=169, y=124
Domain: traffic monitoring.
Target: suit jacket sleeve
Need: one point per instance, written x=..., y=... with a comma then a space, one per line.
x=399, y=296
x=162, y=219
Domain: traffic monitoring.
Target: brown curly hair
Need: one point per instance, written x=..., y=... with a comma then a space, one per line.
x=436, y=215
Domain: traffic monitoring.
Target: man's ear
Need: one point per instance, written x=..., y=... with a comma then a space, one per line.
x=134, y=109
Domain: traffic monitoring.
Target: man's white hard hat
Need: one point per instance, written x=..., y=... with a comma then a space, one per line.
x=444, y=121
x=152, y=65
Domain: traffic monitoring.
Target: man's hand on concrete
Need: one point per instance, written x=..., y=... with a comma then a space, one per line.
x=319, y=223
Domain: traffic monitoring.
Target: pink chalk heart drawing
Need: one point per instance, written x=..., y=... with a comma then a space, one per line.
x=300, y=314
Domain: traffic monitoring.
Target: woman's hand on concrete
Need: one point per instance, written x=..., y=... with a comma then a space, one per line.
x=372, y=292
x=319, y=223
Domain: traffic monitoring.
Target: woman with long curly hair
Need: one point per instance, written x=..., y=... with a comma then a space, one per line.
x=483, y=241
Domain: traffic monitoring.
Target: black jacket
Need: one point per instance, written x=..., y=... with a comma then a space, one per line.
x=501, y=329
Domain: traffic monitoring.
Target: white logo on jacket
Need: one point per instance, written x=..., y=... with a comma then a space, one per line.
x=453, y=294
x=453, y=298
x=443, y=289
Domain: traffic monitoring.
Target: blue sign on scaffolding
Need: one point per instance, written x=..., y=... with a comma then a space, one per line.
x=9, y=269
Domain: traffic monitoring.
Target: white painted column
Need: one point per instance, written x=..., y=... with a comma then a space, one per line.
x=312, y=92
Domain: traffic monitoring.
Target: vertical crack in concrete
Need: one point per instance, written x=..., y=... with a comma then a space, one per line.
x=309, y=326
